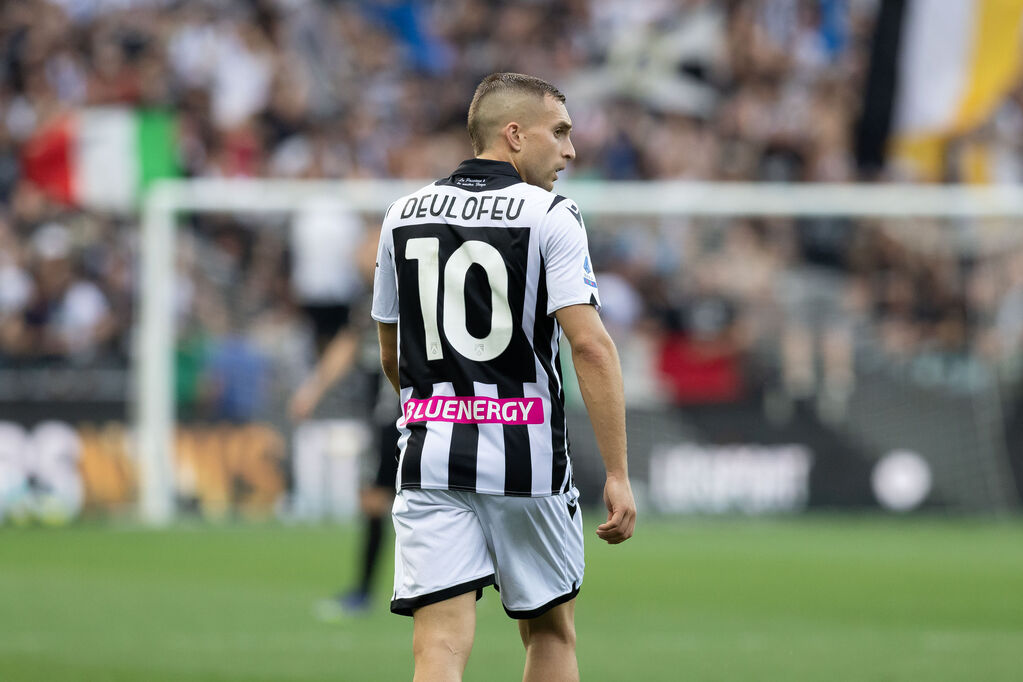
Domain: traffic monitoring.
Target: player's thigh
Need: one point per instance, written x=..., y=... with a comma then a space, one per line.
x=537, y=546
x=446, y=626
x=440, y=549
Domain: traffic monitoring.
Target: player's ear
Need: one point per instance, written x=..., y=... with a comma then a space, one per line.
x=512, y=134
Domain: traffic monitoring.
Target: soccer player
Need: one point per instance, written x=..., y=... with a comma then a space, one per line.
x=375, y=497
x=477, y=276
x=339, y=357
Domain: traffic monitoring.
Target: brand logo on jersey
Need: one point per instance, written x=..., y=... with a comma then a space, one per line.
x=474, y=410
x=588, y=272
x=576, y=214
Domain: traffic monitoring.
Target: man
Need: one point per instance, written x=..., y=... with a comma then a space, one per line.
x=481, y=272
x=345, y=351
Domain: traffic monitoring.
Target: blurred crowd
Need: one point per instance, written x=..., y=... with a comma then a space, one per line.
x=659, y=89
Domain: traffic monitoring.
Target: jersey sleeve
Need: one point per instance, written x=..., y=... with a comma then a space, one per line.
x=385, y=284
x=569, y=271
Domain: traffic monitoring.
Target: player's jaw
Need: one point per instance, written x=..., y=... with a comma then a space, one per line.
x=555, y=163
x=543, y=176
x=554, y=177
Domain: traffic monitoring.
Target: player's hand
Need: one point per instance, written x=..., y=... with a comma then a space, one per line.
x=621, y=511
x=302, y=404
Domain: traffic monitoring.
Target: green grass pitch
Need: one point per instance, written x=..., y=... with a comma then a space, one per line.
x=812, y=598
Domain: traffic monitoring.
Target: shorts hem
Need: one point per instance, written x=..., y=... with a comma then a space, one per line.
x=470, y=489
x=540, y=610
x=407, y=605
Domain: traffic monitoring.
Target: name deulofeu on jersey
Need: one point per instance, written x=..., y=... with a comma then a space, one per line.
x=495, y=207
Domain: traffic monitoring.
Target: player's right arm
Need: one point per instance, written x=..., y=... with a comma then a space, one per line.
x=388, y=334
x=385, y=304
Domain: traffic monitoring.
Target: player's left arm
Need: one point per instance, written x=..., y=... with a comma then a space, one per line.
x=388, y=334
x=574, y=300
x=600, y=382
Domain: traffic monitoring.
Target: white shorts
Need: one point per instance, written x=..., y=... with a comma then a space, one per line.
x=450, y=542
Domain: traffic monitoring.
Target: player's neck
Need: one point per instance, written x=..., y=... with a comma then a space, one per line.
x=497, y=155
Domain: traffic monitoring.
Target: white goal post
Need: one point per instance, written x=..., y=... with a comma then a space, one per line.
x=154, y=404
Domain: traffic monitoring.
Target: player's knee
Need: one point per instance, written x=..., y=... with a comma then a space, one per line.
x=555, y=628
x=551, y=638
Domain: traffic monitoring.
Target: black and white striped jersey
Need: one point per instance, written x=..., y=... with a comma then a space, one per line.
x=472, y=268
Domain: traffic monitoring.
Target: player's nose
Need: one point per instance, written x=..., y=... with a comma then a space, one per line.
x=569, y=151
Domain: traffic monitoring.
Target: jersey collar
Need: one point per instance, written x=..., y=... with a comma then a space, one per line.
x=487, y=174
x=486, y=167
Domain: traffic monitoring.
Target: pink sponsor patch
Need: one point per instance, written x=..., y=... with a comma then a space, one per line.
x=474, y=410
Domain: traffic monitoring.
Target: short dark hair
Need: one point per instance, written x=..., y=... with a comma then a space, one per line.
x=498, y=83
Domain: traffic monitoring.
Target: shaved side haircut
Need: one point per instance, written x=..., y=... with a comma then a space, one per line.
x=498, y=99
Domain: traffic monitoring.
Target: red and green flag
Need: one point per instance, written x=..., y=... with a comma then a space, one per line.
x=103, y=157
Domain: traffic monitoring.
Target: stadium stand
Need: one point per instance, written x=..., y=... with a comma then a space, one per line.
x=706, y=311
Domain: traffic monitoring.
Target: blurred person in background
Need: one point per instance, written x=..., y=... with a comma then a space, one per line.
x=235, y=373
x=324, y=275
x=16, y=289
x=623, y=274
x=342, y=354
x=702, y=353
x=65, y=315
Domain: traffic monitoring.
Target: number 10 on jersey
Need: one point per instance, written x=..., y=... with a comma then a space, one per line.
x=426, y=251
